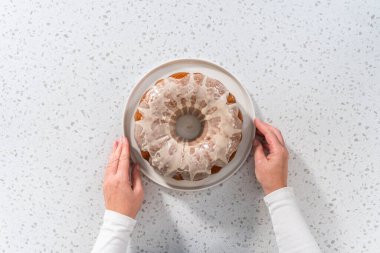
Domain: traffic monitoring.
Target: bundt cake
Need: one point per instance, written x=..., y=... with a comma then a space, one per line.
x=188, y=126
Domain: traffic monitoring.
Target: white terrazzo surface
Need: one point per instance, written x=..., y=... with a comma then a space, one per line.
x=66, y=68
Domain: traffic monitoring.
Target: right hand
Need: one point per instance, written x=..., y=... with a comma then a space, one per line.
x=271, y=157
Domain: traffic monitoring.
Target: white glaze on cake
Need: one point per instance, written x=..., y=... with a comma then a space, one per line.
x=202, y=96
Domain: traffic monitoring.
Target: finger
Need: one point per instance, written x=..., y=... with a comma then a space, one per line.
x=279, y=135
x=114, y=158
x=270, y=137
x=137, y=181
x=123, y=167
x=114, y=146
x=258, y=133
x=276, y=132
x=259, y=154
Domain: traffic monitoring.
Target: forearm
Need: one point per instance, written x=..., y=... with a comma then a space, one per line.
x=114, y=234
x=290, y=228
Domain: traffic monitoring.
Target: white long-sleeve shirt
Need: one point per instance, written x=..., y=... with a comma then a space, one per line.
x=291, y=231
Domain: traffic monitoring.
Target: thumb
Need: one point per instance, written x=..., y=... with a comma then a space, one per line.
x=259, y=154
x=137, y=181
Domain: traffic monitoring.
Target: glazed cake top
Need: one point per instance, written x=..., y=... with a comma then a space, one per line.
x=206, y=99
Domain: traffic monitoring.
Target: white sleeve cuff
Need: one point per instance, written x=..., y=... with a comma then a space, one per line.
x=285, y=193
x=292, y=232
x=114, y=234
x=118, y=218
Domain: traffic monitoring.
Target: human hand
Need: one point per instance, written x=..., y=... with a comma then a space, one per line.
x=271, y=157
x=122, y=194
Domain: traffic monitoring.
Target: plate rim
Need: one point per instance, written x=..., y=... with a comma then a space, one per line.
x=202, y=60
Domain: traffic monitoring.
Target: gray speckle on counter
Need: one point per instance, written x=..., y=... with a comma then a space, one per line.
x=66, y=69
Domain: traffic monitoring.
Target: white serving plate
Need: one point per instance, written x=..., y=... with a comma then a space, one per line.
x=210, y=69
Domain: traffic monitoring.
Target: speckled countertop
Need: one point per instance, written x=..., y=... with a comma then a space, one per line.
x=66, y=68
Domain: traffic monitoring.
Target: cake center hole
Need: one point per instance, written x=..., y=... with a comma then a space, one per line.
x=188, y=127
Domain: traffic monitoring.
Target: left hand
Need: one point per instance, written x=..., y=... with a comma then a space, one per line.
x=122, y=194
